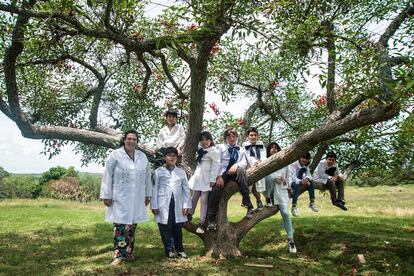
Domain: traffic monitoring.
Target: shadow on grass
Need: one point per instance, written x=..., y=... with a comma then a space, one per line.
x=326, y=245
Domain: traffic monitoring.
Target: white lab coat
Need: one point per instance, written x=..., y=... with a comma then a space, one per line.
x=281, y=195
x=171, y=137
x=127, y=182
x=166, y=184
x=207, y=171
x=320, y=173
x=260, y=184
x=293, y=170
x=225, y=157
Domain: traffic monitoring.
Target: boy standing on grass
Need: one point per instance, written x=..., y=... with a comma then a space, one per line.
x=171, y=203
x=233, y=167
x=328, y=174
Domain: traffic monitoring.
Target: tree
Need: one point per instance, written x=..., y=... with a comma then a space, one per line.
x=108, y=66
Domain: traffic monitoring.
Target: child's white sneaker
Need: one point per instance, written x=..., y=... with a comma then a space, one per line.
x=295, y=212
x=313, y=207
x=292, y=247
x=199, y=229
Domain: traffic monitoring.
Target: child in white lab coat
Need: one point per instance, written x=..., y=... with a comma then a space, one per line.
x=171, y=203
x=204, y=177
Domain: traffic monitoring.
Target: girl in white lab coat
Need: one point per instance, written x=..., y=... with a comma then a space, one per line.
x=256, y=153
x=126, y=190
x=204, y=177
x=171, y=203
x=278, y=185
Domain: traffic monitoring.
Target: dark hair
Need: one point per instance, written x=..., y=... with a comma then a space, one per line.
x=306, y=156
x=131, y=131
x=270, y=146
x=229, y=131
x=171, y=112
x=331, y=154
x=207, y=135
x=252, y=129
x=171, y=150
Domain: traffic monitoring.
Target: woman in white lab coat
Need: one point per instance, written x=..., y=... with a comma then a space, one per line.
x=126, y=190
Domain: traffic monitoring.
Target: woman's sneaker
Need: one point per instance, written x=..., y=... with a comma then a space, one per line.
x=292, y=247
x=313, y=207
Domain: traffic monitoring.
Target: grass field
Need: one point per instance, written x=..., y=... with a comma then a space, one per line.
x=50, y=237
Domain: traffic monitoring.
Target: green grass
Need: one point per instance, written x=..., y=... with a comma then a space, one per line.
x=49, y=237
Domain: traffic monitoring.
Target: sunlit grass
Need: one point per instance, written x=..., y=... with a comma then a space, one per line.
x=49, y=237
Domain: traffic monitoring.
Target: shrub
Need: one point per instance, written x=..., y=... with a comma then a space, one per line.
x=72, y=188
x=20, y=186
x=65, y=188
x=90, y=186
x=3, y=174
x=54, y=173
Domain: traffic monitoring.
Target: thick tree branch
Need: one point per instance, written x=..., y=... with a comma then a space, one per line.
x=395, y=25
x=167, y=72
x=310, y=139
x=147, y=70
x=330, y=86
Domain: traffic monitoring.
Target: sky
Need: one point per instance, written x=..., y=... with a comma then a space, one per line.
x=22, y=155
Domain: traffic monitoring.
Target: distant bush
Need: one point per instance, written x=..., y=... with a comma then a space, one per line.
x=85, y=188
x=20, y=186
x=54, y=173
x=3, y=174
x=90, y=185
x=391, y=179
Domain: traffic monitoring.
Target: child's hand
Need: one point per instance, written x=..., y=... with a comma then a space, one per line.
x=306, y=182
x=155, y=211
x=220, y=182
x=186, y=211
x=233, y=169
x=147, y=200
x=107, y=202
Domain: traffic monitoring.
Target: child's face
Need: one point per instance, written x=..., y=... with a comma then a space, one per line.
x=303, y=161
x=273, y=150
x=171, y=119
x=330, y=161
x=170, y=159
x=253, y=136
x=205, y=143
x=231, y=139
